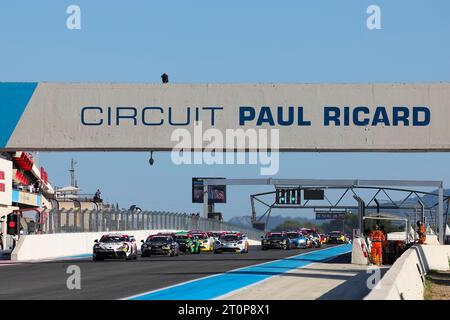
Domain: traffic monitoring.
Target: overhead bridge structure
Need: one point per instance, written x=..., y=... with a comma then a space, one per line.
x=396, y=117
x=393, y=117
x=353, y=189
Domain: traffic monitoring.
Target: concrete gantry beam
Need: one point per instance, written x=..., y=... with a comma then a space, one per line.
x=103, y=116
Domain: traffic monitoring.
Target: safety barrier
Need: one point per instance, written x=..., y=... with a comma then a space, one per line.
x=72, y=245
x=64, y=245
x=72, y=220
x=432, y=240
x=68, y=233
x=360, y=252
x=405, y=279
x=361, y=247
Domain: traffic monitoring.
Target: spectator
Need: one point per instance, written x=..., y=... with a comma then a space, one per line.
x=97, y=196
x=31, y=227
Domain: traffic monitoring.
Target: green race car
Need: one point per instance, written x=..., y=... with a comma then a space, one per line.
x=187, y=242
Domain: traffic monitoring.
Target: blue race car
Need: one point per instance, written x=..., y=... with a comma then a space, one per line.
x=297, y=239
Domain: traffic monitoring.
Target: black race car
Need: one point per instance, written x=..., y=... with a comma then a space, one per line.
x=336, y=237
x=160, y=244
x=276, y=240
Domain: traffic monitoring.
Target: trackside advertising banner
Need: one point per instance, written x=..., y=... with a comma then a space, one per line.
x=305, y=117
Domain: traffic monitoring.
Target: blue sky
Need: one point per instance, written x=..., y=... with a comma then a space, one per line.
x=225, y=41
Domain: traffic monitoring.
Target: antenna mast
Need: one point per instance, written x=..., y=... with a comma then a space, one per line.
x=73, y=181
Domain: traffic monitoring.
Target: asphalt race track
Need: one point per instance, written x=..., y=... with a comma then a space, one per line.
x=116, y=279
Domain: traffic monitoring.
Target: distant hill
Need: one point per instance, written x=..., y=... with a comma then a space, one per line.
x=428, y=200
x=431, y=200
x=274, y=221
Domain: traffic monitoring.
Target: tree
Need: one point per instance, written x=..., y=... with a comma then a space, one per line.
x=389, y=226
x=350, y=223
x=295, y=225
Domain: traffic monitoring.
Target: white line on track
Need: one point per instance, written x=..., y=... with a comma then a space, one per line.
x=8, y=263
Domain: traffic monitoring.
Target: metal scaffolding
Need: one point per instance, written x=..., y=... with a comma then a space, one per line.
x=353, y=188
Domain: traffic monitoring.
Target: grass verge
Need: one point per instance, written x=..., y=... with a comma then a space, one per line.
x=437, y=285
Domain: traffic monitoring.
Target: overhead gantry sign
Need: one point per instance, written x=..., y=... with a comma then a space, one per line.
x=307, y=117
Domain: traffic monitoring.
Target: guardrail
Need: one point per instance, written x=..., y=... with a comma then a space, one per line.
x=72, y=220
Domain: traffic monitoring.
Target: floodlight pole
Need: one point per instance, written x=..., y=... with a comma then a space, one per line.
x=422, y=211
x=441, y=214
x=205, y=198
x=445, y=219
x=361, y=213
x=252, y=200
x=378, y=204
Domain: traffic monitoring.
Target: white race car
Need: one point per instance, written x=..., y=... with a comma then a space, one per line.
x=231, y=242
x=216, y=234
x=115, y=246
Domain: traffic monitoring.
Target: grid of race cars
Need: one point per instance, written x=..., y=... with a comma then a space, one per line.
x=115, y=245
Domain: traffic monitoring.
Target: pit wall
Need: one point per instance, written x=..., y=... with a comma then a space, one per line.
x=404, y=280
x=69, y=245
x=360, y=252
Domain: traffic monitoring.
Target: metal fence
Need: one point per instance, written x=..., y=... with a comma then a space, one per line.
x=72, y=220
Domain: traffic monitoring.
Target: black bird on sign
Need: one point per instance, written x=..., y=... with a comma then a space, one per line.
x=165, y=78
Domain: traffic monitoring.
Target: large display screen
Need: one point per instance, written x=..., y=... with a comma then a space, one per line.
x=216, y=194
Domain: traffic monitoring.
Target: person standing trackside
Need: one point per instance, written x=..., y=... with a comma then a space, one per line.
x=422, y=232
x=377, y=238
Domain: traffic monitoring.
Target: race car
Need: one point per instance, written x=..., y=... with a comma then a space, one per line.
x=323, y=238
x=114, y=245
x=231, y=242
x=297, y=239
x=275, y=240
x=187, y=242
x=160, y=244
x=216, y=234
x=313, y=236
x=307, y=231
x=336, y=237
x=348, y=239
x=206, y=241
